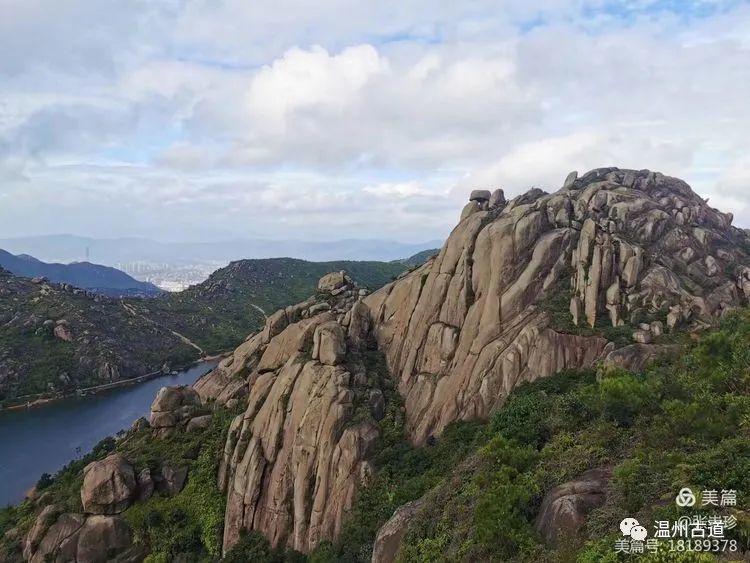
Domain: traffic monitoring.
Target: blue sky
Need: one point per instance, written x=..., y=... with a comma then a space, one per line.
x=196, y=119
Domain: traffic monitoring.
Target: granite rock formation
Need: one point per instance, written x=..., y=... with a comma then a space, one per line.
x=466, y=328
x=294, y=459
x=565, y=508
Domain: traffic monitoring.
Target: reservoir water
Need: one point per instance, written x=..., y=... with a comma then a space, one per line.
x=45, y=438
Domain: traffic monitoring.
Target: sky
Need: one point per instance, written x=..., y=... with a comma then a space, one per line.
x=210, y=119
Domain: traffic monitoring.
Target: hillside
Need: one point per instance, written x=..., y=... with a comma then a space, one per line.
x=420, y=257
x=120, y=339
x=55, y=338
x=566, y=361
x=220, y=312
x=93, y=277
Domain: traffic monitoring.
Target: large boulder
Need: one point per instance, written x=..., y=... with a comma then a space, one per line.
x=106, y=538
x=109, y=485
x=333, y=281
x=46, y=518
x=60, y=540
x=329, y=344
x=564, y=509
x=391, y=534
x=174, y=406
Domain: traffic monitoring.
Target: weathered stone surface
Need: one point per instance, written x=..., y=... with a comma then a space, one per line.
x=332, y=281
x=105, y=538
x=292, y=463
x=329, y=344
x=570, y=180
x=480, y=195
x=174, y=406
x=498, y=198
x=46, y=518
x=469, y=209
x=199, y=423
x=109, y=485
x=564, y=509
x=60, y=540
x=171, y=479
x=626, y=251
x=391, y=534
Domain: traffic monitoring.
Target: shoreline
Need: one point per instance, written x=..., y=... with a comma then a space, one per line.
x=39, y=400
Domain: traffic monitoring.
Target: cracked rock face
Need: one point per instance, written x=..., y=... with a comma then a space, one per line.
x=295, y=458
x=461, y=332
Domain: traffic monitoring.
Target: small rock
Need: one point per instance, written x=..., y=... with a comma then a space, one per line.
x=570, y=180
x=565, y=508
x=480, y=195
x=642, y=337
x=199, y=423
x=172, y=480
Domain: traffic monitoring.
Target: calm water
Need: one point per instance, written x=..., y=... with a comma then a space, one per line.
x=44, y=439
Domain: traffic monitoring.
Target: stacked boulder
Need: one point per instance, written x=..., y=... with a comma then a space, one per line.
x=110, y=486
x=175, y=408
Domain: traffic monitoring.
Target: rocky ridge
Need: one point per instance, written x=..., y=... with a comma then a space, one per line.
x=294, y=460
x=634, y=251
x=628, y=246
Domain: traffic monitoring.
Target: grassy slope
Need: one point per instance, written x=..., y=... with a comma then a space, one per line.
x=33, y=360
x=219, y=313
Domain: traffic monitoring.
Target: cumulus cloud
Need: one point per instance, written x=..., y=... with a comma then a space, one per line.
x=354, y=119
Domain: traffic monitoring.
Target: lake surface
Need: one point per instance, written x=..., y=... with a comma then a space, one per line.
x=44, y=439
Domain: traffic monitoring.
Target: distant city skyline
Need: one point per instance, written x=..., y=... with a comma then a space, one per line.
x=210, y=120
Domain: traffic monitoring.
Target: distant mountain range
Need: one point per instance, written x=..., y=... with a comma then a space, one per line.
x=70, y=248
x=101, y=279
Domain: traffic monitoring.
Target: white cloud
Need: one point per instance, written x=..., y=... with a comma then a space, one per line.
x=357, y=118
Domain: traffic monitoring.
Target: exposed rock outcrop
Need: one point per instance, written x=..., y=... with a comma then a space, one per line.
x=466, y=328
x=294, y=460
x=637, y=356
x=109, y=485
x=391, y=534
x=173, y=407
x=565, y=508
x=81, y=539
x=623, y=248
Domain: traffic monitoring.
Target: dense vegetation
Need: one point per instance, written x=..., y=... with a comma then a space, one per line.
x=99, y=342
x=136, y=336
